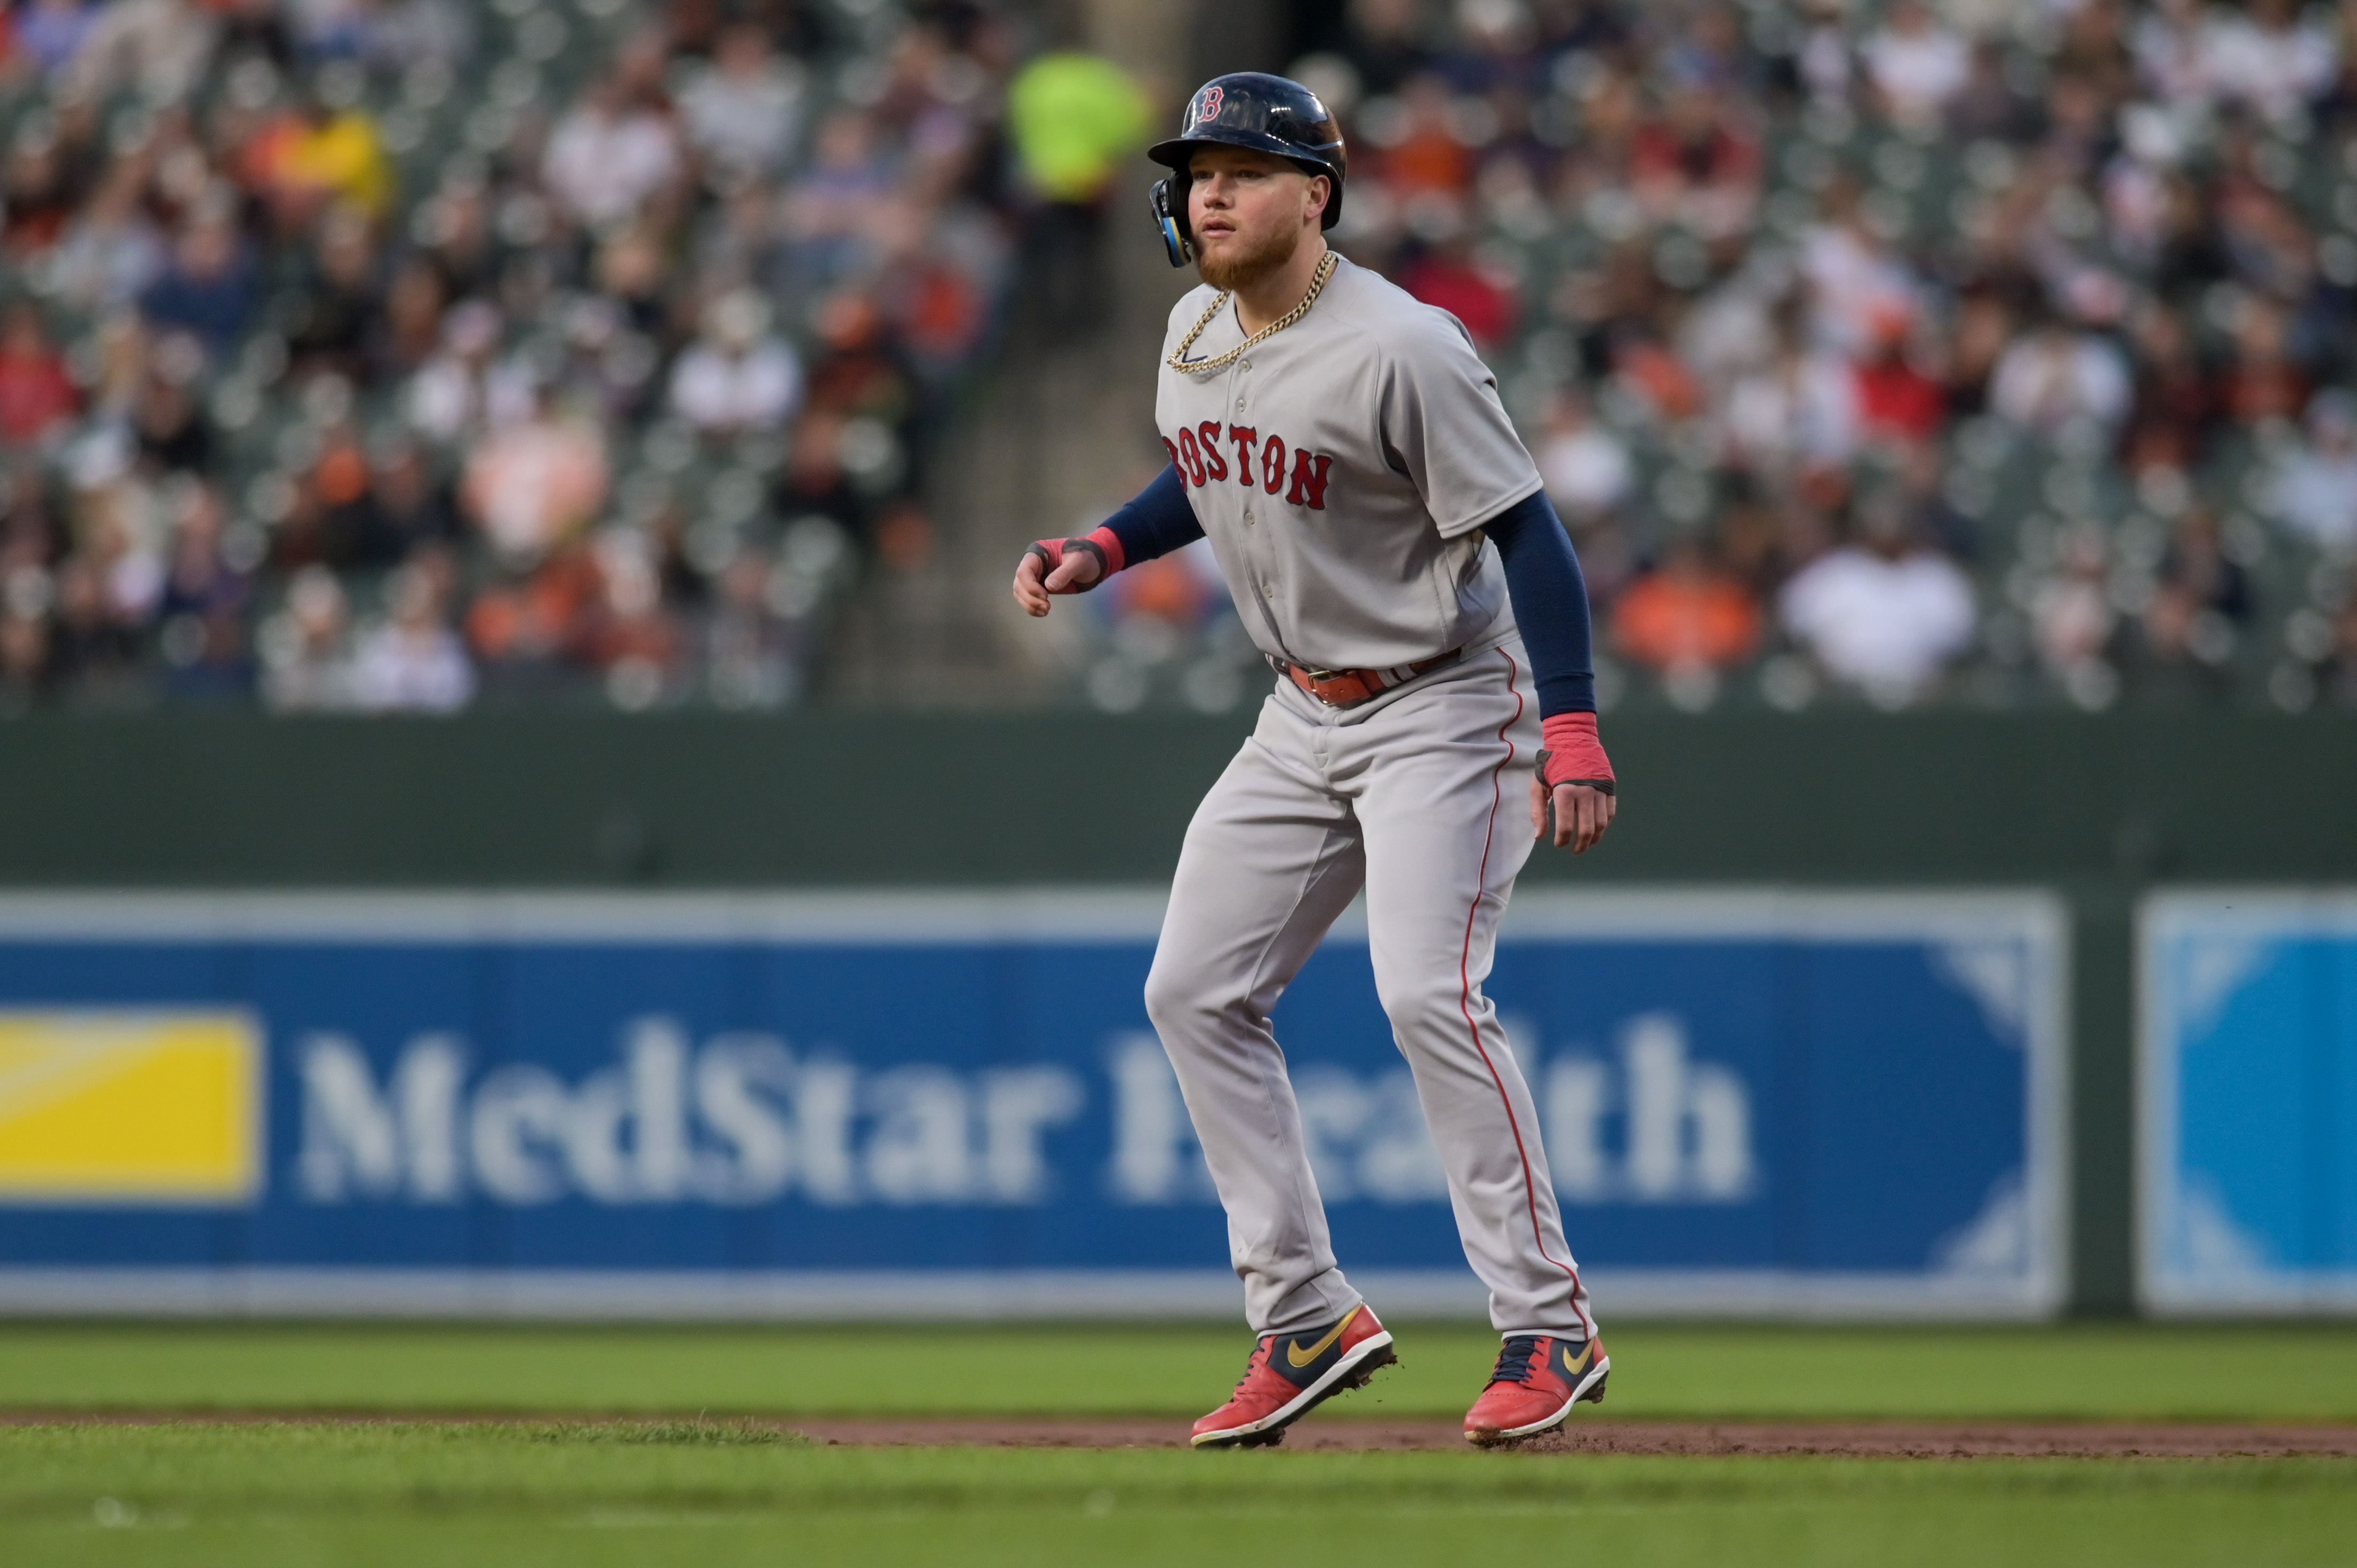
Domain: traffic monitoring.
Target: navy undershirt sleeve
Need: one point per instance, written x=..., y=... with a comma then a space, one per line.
x=1550, y=603
x=1157, y=522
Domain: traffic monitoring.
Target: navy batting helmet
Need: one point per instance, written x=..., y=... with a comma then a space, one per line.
x=1246, y=109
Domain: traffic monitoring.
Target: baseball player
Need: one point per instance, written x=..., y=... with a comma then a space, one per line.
x=1392, y=553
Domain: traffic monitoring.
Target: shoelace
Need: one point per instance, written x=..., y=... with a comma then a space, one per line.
x=1253, y=1360
x=1514, y=1361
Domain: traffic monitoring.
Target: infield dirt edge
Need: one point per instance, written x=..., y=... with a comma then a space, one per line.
x=1830, y=1439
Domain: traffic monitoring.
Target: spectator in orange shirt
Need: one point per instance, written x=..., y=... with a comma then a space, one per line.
x=533, y=619
x=1686, y=612
x=1426, y=155
x=1651, y=369
x=1170, y=589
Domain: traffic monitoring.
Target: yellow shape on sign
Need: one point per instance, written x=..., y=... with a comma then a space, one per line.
x=123, y=1106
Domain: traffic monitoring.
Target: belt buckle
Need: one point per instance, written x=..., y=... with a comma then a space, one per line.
x=1358, y=679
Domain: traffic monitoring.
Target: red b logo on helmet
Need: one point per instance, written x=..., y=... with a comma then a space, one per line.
x=1207, y=108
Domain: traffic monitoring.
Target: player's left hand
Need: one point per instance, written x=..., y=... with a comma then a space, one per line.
x=1581, y=813
x=1572, y=793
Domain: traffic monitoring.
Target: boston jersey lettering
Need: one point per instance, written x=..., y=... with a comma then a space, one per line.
x=1196, y=456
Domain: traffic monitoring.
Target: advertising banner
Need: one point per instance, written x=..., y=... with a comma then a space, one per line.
x=931, y=1103
x=2247, y=1194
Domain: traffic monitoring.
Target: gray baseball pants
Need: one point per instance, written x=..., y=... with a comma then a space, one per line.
x=1421, y=798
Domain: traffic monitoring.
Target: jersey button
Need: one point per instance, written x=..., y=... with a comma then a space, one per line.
x=1239, y=405
x=1246, y=366
x=1248, y=517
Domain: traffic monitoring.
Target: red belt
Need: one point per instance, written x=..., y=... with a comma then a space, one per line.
x=1348, y=688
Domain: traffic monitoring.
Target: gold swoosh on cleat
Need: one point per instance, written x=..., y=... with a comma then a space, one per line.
x=1301, y=1358
x=1585, y=1355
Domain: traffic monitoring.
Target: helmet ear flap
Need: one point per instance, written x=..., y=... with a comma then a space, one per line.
x=1169, y=200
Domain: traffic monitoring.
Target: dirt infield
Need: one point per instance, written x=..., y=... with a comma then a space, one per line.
x=1911, y=1440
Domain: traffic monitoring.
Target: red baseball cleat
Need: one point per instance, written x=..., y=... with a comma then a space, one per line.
x=1290, y=1375
x=1536, y=1382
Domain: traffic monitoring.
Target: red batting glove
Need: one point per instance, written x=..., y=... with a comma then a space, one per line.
x=1570, y=753
x=1104, y=544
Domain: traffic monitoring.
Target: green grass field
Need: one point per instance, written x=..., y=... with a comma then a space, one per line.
x=683, y=1477
x=2230, y=1373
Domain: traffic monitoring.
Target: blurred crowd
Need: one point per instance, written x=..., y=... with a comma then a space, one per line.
x=403, y=354
x=1993, y=352
x=371, y=354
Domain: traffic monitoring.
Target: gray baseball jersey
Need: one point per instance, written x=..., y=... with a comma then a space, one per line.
x=1343, y=469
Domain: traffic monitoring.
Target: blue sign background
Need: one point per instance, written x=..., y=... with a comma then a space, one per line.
x=2249, y=1124
x=1750, y=1101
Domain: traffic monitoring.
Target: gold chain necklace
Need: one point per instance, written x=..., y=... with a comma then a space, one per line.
x=1177, y=360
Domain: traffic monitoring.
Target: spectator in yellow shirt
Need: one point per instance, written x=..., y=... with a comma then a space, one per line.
x=324, y=155
x=1073, y=117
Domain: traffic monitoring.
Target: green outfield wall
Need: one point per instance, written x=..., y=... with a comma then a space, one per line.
x=2096, y=809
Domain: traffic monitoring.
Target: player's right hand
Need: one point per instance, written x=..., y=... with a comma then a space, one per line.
x=1573, y=798
x=1570, y=816
x=1054, y=566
